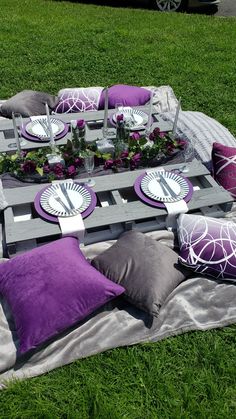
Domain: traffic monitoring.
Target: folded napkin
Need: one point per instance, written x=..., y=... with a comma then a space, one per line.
x=72, y=226
x=173, y=208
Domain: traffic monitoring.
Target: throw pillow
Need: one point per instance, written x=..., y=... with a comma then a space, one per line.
x=207, y=245
x=224, y=166
x=127, y=95
x=78, y=99
x=50, y=289
x=148, y=270
x=28, y=103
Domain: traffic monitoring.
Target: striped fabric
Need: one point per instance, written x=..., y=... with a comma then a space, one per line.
x=202, y=130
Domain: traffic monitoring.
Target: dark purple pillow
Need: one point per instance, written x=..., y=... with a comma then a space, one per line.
x=208, y=245
x=127, y=95
x=224, y=166
x=50, y=289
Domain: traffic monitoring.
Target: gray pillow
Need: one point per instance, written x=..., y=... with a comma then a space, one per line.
x=28, y=103
x=148, y=270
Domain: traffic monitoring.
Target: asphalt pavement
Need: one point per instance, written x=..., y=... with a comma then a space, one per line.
x=227, y=8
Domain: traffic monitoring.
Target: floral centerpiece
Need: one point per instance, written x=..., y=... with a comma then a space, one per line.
x=139, y=151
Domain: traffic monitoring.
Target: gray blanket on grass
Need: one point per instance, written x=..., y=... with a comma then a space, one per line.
x=196, y=304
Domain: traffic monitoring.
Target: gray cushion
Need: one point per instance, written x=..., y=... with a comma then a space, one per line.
x=149, y=271
x=28, y=103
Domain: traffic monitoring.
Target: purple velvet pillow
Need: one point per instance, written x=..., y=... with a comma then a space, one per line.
x=78, y=100
x=50, y=289
x=127, y=95
x=224, y=166
x=208, y=245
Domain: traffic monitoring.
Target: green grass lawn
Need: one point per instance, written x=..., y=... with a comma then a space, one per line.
x=48, y=45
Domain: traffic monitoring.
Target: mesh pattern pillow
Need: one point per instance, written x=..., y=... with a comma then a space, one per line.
x=207, y=245
x=78, y=100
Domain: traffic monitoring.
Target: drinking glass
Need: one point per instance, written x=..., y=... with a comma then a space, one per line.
x=19, y=125
x=188, y=154
x=89, y=166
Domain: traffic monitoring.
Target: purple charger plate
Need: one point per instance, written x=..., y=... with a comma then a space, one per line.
x=37, y=139
x=149, y=201
x=53, y=218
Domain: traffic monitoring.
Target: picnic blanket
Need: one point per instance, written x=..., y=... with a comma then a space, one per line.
x=198, y=303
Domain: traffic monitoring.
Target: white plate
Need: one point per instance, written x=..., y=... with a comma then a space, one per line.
x=35, y=128
x=78, y=195
x=152, y=188
x=136, y=117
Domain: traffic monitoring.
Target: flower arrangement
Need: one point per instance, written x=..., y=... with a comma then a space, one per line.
x=138, y=152
x=145, y=152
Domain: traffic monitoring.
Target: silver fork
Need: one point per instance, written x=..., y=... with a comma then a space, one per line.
x=44, y=125
x=158, y=179
x=58, y=199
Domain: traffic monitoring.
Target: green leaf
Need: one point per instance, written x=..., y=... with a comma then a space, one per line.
x=39, y=170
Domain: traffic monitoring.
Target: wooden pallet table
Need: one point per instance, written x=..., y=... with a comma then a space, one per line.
x=118, y=209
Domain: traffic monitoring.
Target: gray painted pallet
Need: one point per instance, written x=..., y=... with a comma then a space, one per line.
x=118, y=209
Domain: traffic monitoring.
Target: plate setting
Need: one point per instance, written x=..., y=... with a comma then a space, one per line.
x=36, y=129
x=152, y=201
x=136, y=118
x=65, y=199
x=164, y=186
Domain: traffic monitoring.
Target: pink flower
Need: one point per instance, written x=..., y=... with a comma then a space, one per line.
x=135, y=136
x=162, y=134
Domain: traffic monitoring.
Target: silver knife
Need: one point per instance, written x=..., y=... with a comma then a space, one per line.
x=167, y=186
x=65, y=193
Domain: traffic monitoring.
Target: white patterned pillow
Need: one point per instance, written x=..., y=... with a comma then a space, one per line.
x=207, y=245
x=78, y=99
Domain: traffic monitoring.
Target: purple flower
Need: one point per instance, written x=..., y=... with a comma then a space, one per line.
x=124, y=154
x=152, y=136
x=46, y=168
x=108, y=164
x=71, y=170
x=29, y=166
x=137, y=157
x=156, y=131
x=58, y=170
x=135, y=136
x=80, y=123
x=181, y=142
x=162, y=134
x=78, y=162
x=120, y=117
x=135, y=161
